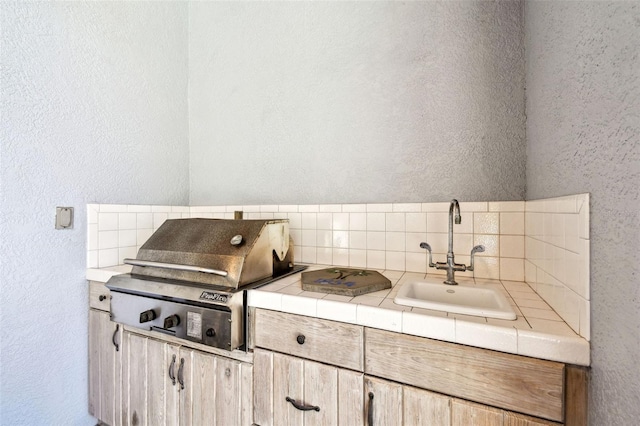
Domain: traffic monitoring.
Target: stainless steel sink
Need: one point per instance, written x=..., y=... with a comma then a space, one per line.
x=458, y=299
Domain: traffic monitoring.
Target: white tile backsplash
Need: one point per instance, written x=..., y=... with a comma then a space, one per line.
x=309, y=220
x=507, y=206
x=107, y=240
x=486, y=223
x=341, y=221
x=542, y=242
x=416, y=222
x=512, y=223
x=127, y=238
x=512, y=246
x=351, y=208
x=358, y=240
x=376, y=240
x=557, y=257
x=395, y=222
x=107, y=221
x=437, y=222
x=358, y=221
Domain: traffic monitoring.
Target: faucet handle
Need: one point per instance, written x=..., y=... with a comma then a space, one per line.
x=476, y=249
x=427, y=247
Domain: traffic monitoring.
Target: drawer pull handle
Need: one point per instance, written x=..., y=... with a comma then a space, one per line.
x=370, y=413
x=181, y=373
x=172, y=374
x=300, y=339
x=302, y=407
x=113, y=338
x=102, y=297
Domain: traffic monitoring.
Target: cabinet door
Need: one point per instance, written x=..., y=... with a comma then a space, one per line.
x=287, y=383
x=465, y=413
x=134, y=384
x=149, y=395
x=421, y=407
x=105, y=368
x=217, y=390
x=514, y=419
x=391, y=403
x=384, y=402
x=287, y=388
x=162, y=391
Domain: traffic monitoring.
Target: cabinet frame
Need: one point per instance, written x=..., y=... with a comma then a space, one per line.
x=517, y=389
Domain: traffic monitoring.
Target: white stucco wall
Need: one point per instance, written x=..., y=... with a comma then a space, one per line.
x=93, y=108
x=331, y=102
x=583, y=135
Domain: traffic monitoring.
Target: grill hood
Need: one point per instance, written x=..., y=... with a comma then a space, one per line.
x=217, y=252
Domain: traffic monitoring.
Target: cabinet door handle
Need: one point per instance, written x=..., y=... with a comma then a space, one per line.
x=370, y=413
x=113, y=338
x=302, y=407
x=181, y=373
x=172, y=374
x=300, y=339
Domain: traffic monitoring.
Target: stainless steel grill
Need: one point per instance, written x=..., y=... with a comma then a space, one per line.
x=189, y=278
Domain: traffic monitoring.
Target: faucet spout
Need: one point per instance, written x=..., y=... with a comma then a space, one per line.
x=454, y=208
x=450, y=265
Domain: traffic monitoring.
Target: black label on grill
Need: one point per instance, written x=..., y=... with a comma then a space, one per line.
x=214, y=297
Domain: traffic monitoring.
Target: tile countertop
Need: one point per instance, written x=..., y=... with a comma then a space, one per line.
x=537, y=332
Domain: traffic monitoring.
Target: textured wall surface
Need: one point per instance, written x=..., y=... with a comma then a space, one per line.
x=583, y=135
x=325, y=102
x=93, y=107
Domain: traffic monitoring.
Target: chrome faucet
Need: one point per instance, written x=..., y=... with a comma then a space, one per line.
x=450, y=265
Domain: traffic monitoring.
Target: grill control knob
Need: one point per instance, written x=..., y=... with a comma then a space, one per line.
x=171, y=321
x=147, y=316
x=210, y=332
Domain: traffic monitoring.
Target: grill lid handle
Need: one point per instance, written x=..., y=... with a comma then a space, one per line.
x=175, y=266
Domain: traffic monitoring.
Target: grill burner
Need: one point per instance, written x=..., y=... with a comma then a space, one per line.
x=188, y=279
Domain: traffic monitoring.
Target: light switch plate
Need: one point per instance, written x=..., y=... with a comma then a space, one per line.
x=64, y=217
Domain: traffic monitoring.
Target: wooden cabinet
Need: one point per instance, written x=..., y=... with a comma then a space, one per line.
x=290, y=390
x=464, y=413
x=312, y=338
x=99, y=296
x=407, y=380
x=384, y=402
x=217, y=390
x=166, y=384
x=390, y=403
x=105, y=367
x=139, y=380
x=506, y=381
x=150, y=396
x=308, y=371
x=515, y=419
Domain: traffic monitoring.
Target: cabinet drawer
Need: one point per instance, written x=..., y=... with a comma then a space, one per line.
x=512, y=382
x=99, y=296
x=312, y=338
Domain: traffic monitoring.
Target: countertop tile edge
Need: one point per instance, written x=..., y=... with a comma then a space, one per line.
x=567, y=349
x=102, y=275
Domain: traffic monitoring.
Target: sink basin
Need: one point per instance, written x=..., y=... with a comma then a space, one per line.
x=457, y=299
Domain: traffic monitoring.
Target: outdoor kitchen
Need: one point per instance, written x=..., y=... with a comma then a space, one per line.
x=438, y=199
x=245, y=294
